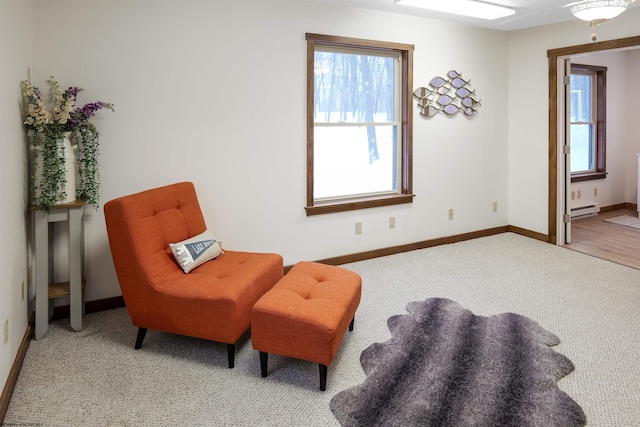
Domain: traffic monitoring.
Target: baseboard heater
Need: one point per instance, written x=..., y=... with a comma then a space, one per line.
x=585, y=210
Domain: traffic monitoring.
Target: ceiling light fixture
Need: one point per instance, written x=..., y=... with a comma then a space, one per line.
x=598, y=10
x=474, y=9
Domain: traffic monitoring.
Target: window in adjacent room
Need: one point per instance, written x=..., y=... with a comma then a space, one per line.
x=588, y=122
x=359, y=124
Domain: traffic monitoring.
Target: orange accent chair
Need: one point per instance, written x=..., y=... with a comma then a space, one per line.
x=214, y=301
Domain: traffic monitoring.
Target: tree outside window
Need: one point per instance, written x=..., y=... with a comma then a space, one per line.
x=359, y=124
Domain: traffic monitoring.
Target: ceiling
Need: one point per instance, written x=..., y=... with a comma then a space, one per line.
x=529, y=13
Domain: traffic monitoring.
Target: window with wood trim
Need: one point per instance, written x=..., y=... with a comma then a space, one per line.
x=588, y=122
x=359, y=124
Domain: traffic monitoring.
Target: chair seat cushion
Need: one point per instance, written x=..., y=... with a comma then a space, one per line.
x=218, y=295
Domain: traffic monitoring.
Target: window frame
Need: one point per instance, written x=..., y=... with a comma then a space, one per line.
x=600, y=105
x=404, y=194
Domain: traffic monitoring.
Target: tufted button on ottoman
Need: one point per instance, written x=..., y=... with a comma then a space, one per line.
x=306, y=314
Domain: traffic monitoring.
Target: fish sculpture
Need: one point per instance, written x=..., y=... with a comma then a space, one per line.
x=449, y=95
x=453, y=74
x=459, y=82
x=437, y=82
x=463, y=92
x=444, y=100
x=469, y=102
x=451, y=109
x=429, y=111
x=420, y=92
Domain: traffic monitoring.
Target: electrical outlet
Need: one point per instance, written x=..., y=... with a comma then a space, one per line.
x=450, y=213
x=28, y=73
x=495, y=206
x=392, y=222
x=579, y=194
x=595, y=192
x=573, y=195
x=6, y=330
x=358, y=228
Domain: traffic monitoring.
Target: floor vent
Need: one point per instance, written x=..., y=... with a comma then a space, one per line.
x=586, y=210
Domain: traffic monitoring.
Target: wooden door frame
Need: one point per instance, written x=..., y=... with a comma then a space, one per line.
x=553, y=55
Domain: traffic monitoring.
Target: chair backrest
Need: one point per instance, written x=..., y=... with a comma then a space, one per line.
x=140, y=227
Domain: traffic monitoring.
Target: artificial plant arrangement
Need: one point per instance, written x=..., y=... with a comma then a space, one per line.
x=48, y=129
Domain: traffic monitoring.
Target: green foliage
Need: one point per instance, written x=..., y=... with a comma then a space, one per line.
x=87, y=138
x=51, y=187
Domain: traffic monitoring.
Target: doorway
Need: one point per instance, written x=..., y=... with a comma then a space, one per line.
x=557, y=191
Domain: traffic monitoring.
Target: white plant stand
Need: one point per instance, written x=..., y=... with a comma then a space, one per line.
x=73, y=214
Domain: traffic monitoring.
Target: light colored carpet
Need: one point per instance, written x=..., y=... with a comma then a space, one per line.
x=626, y=220
x=95, y=377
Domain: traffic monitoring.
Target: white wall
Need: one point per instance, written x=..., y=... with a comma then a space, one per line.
x=16, y=36
x=528, y=124
x=215, y=93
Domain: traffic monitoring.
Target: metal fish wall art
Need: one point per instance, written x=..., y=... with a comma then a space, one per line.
x=449, y=95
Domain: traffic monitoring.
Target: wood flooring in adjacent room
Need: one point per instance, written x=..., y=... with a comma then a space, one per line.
x=613, y=242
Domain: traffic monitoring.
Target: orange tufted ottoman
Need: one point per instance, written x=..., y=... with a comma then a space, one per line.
x=306, y=314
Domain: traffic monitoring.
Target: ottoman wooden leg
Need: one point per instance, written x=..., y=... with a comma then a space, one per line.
x=351, y=324
x=323, y=377
x=264, y=357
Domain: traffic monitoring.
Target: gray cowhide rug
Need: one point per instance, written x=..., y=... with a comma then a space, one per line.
x=445, y=366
